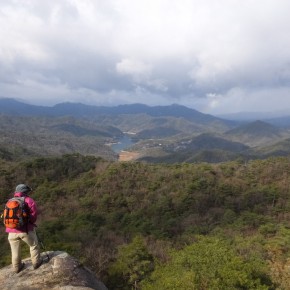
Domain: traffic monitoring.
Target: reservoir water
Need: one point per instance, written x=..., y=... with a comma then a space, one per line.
x=122, y=144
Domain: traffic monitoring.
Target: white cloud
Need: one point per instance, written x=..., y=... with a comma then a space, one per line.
x=134, y=68
x=217, y=55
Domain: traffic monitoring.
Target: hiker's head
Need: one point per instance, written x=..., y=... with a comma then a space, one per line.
x=23, y=188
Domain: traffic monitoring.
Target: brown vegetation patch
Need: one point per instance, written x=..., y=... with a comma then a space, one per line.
x=128, y=156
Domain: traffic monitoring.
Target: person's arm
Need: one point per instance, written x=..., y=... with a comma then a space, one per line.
x=33, y=212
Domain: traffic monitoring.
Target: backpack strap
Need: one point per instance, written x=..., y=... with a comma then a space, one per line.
x=24, y=205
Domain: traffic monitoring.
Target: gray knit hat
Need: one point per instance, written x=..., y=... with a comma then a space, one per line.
x=23, y=188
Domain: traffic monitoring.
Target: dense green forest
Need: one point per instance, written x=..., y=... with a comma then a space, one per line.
x=162, y=226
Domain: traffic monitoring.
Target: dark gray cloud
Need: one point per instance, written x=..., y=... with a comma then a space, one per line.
x=218, y=56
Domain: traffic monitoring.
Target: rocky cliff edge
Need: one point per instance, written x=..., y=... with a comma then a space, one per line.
x=60, y=272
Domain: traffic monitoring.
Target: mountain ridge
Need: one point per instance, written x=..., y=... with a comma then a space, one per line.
x=256, y=133
x=11, y=106
x=160, y=133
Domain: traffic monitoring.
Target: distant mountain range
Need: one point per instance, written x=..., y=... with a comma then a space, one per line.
x=11, y=106
x=147, y=122
x=162, y=133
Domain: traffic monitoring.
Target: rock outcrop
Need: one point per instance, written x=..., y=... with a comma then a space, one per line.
x=60, y=272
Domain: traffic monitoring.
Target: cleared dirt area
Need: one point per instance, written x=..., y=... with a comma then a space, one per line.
x=128, y=156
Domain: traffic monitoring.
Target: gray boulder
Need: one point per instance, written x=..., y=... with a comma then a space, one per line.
x=61, y=272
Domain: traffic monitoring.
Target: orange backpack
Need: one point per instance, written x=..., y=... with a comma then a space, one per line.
x=15, y=214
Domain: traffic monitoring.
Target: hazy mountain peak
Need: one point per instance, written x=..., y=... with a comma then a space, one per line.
x=256, y=128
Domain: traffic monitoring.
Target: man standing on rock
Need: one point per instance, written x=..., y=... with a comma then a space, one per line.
x=22, y=229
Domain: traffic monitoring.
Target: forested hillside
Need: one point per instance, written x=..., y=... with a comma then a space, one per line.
x=158, y=226
x=26, y=137
x=168, y=134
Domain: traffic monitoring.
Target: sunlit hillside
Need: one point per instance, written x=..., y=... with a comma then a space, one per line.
x=161, y=225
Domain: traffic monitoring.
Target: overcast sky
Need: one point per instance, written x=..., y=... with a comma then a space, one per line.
x=217, y=56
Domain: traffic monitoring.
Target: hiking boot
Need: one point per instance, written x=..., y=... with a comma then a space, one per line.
x=38, y=264
x=20, y=268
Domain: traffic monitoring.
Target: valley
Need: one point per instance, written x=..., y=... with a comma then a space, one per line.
x=190, y=191
x=156, y=134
